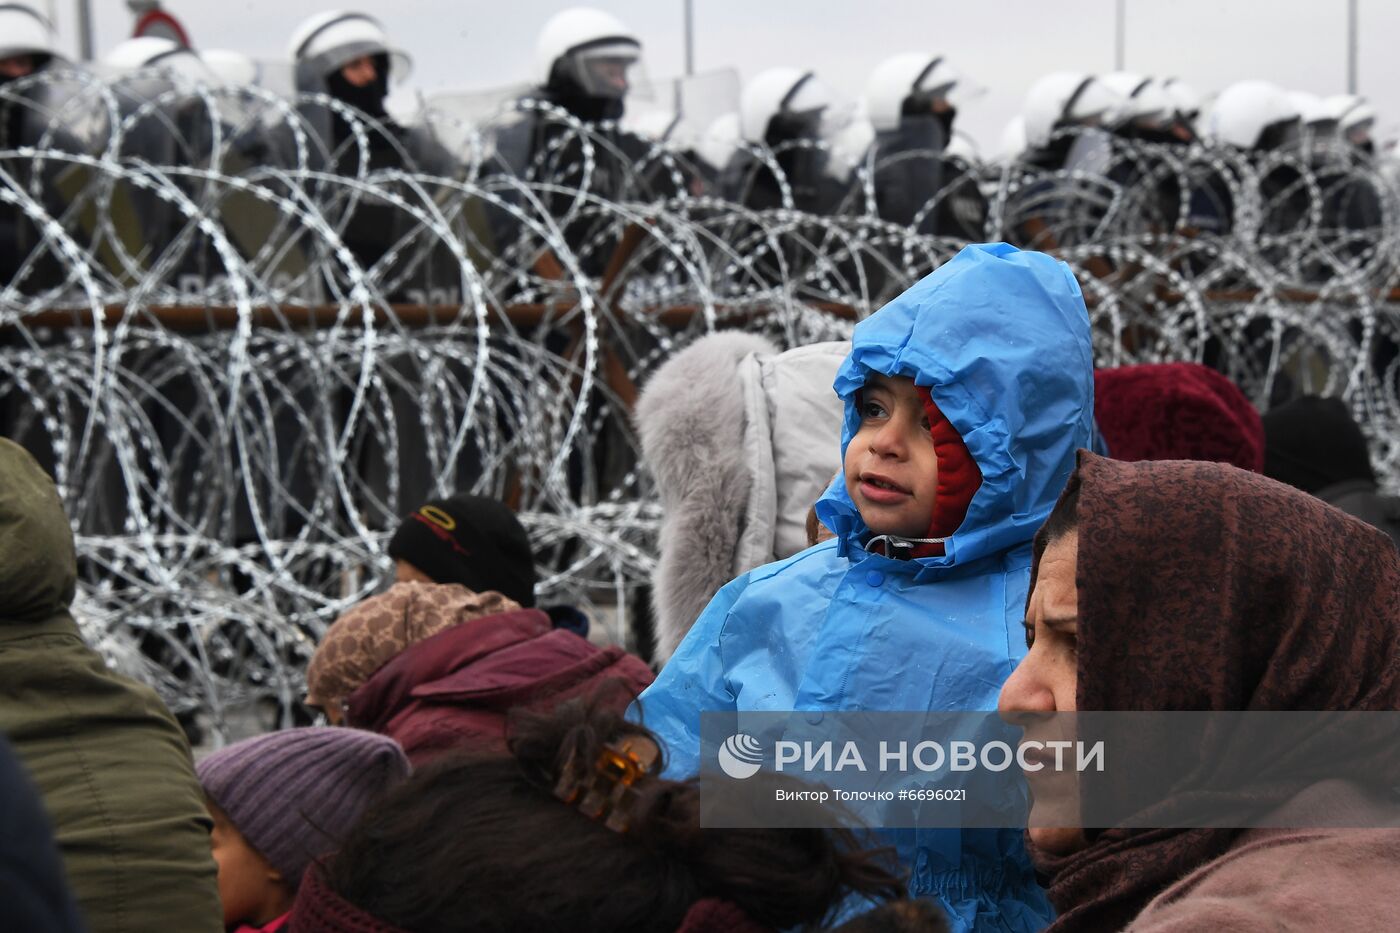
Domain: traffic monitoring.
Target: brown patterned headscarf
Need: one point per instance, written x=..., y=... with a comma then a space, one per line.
x=1205, y=587
x=367, y=637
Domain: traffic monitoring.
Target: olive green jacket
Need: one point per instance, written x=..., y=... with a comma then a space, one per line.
x=109, y=760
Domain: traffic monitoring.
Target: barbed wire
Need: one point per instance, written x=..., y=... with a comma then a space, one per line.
x=239, y=399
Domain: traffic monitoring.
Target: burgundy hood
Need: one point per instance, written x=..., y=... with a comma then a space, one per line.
x=453, y=690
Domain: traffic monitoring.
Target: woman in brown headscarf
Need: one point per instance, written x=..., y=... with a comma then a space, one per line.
x=1196, y=586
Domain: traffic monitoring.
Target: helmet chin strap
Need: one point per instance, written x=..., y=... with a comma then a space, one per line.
x=897, y=541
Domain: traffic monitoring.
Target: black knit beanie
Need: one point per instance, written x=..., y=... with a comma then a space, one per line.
x=1312, y=442
x=471, y=540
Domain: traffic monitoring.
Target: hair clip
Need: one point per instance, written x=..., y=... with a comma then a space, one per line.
x=606, y=790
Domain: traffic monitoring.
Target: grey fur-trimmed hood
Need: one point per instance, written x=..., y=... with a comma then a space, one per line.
x=741, y=440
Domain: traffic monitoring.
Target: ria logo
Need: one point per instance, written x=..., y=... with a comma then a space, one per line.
x=740, y=756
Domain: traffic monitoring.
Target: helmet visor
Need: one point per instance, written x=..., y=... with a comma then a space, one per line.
x=942, y=82
x=1283, y=134
x=808, y=96
x=1093, y=103
x=604, y=70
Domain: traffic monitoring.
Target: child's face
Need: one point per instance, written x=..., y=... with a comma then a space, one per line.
x=891, y=468
x=251, y=890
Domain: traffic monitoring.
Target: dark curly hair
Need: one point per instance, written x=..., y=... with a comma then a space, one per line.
x=481, y=843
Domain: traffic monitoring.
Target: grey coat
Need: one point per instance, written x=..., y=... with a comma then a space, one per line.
x=741, y=440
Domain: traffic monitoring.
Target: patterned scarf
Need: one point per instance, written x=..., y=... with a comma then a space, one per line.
x=375, y=631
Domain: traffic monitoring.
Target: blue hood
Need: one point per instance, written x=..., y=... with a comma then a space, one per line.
x=1001, y=338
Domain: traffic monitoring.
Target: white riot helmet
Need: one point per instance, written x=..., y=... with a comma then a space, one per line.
x=25, y=31
x=1013, y=138
x=781, y=92
x=719, y=140
x=329, y=41
x=233, y=68
x=1144, y=100
x=1254, y=114
x=589, y=48
x=897, y=79
x=1310, y=109
x=1186, y=100
x=160, y=53
x=1354, y=115
x=1067, y=98
x=850, y=145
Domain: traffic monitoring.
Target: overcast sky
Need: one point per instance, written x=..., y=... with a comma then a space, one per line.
x=1001, y=44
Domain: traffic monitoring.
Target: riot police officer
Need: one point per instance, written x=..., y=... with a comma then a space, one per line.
x=348, y=57
x=785, y=111
x=910, y=104
x=1060, y=101
x=26, y=51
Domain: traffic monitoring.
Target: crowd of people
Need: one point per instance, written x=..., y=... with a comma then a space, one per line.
x=1253, y=161
x=485, y=766
x=954, y=510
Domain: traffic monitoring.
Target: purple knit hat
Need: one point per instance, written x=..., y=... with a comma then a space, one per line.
x=294, y=794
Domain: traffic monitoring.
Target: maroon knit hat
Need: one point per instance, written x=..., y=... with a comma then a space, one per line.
x=1177, y=411
x=293, y=794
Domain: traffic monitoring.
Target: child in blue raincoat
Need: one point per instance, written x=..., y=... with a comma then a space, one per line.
x=966, y=398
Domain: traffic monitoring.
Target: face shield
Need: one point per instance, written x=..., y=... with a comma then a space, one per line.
x=1356, y=125
x=1186, y=102
x=605, y=70
x=314, y=75
x=1359, y=134
x=934, y=100
x=793, y=126
x=1092, y=104
x=941, y=90
x=325, y=44
x=1149, y=108
x=806, y=113
x=1281, y=134
x=1322, y=128
x=944, y=88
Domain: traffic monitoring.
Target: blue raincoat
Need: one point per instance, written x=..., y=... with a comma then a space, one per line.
x=1001, y=338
